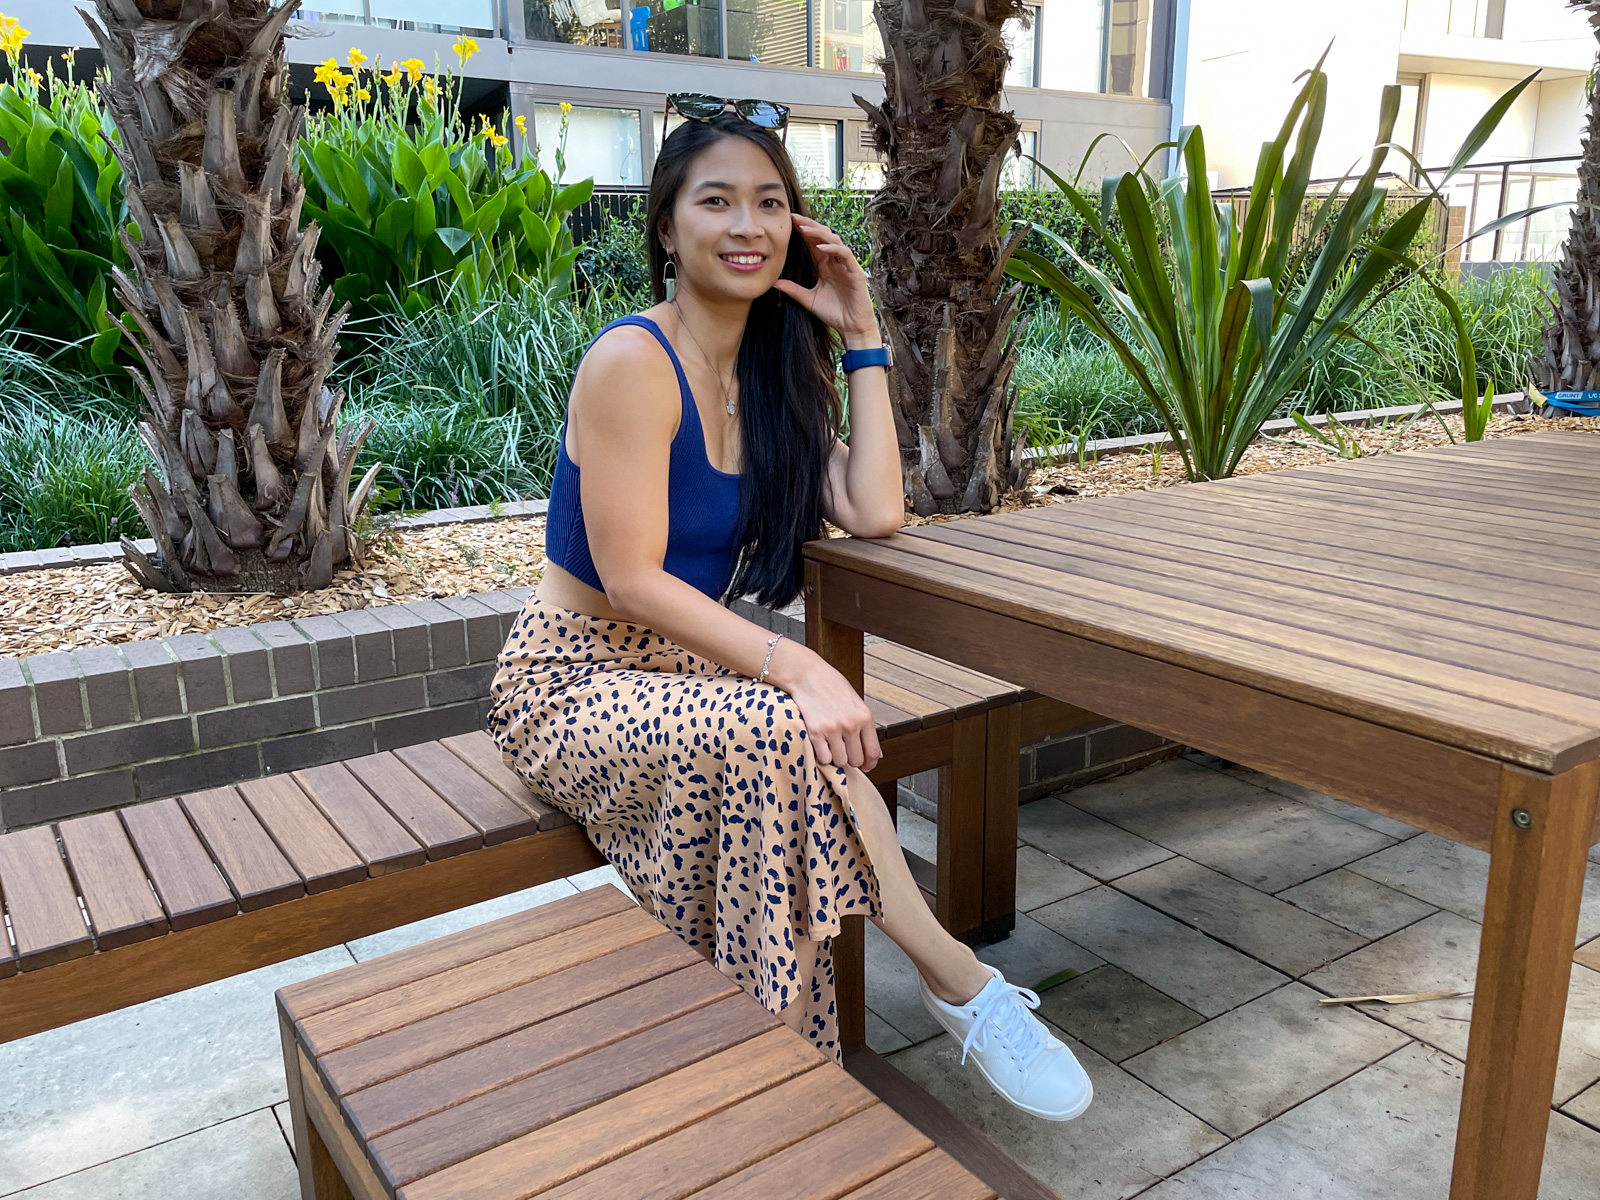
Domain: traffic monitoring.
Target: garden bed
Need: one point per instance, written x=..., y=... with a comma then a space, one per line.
x=65, y=608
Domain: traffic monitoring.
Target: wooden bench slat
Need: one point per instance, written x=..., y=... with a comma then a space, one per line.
x=498, y=817
x=892, y=721
x=726, y=1142
x=251, y=862
x=122, y=908
x=968, y=680
x=187, y=882
x=427, y=1090
x=630, y=1127
x=45, y=918
x=927, y=712
x=313, y=847
x=367, y=826
x=478, y=751
x=931, y=1176
x=440, y=829
x=348, y=984
x=444, y=1139
x=957, y=702
x=388, y=1054
x=852, y=1153
x=396, y=1008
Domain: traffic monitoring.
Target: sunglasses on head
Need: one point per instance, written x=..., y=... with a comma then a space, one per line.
x=696, y=106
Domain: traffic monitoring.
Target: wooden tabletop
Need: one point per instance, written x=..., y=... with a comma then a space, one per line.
x=1450, y=595
x=579, y=1049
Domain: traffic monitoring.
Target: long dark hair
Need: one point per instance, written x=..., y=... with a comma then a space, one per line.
x=789, y=410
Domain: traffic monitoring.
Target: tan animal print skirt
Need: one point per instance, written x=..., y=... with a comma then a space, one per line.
x=699, y=786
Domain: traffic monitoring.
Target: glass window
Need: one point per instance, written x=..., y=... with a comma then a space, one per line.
x=814, y=147
x=1022, y=40
x=768, y=31
x=436, y=16
x=675, y=27
x=847, y=36
x=602, y=144
x=1071, y=38
x=1128, y=48
x=334, y=12
x=1019, y=172
x=576, y=22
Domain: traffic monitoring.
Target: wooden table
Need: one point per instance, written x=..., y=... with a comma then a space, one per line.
x=1416, y=634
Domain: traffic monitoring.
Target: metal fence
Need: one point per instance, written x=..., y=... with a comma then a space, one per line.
x=1487, y=191
x=615, y=203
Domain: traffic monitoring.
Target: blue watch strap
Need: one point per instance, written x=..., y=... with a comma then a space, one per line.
x=854, y=360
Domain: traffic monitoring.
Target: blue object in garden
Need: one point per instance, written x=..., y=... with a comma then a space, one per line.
x=1584, y=404
x=638, y=26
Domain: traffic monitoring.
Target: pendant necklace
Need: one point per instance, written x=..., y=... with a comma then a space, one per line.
x=727, y=400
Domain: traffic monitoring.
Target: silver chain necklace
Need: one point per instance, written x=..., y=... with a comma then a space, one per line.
x=727, y=399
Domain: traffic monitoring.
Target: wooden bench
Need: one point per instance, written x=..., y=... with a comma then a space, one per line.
x=578, y=1049
x=116, y=908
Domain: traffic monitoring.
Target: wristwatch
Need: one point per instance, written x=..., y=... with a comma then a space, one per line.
x=854, y=360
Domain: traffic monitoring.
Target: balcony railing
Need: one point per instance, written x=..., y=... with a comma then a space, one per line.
x=483, y=18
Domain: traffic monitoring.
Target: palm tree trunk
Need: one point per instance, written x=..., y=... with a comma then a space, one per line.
x=237, y=337
x=938, y=260
x=1571, y=358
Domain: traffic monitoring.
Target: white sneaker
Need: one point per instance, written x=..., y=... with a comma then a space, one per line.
x=1022, y=1060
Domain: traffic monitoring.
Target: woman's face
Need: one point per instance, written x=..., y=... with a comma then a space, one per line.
x=729, y=229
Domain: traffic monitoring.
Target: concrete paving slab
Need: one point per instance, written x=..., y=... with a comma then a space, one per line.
x=1184, y=963
x=918, y=834
x=1386, y=1133
x=1277, y=933
x=1258, y=837
x=1251, y=1064
x=1129, y=1138
x=892, y=989
x=1585, y=1107
x=1589, y=955
x=86, y=1093
x=1354, y=813
x=884, y=1037
x=429, y=928
x=1450, y=875
x=1085, y=842
x=1034, y=953
x=1441, y=953
x=1115, y=1014
x=599, y=877
x=285, y=1125
x=1357, y=903
x=244, y=1157
x=1043, y=879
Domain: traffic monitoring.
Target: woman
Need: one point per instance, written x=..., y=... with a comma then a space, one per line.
x=718, y=768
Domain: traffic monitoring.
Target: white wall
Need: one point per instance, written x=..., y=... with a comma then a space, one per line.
x=1544, y=20
x=1563, y=113
x=1244, y=56
x=1457, y=102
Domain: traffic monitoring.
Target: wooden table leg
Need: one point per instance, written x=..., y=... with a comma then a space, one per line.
x=958, y=865
x=319, y=1174
x=843, y=648
x=1002, y=756
x=1539, y=854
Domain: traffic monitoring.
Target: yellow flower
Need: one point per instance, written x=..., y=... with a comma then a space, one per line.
x=356, y=58
x=496, y=138
x=392, y=76
x=522, y=125
x=33, y=76
x=326, y=70
x=363, y=94
x=414, y=68
x=430, y=87
x=12, y=35
x=465, y=48
x=566, y=109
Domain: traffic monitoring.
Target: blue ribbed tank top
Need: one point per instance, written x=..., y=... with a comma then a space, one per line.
x=702, y=502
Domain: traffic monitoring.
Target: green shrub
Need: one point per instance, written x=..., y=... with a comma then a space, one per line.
x=61, y=206
x=614, y=262
x=414, y=204
x=484, y=381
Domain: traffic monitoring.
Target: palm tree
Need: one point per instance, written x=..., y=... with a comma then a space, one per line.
x=236, y=336
x=938, y=260
x=1571, y=358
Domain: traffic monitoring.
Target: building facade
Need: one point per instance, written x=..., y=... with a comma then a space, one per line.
x=1080, y=68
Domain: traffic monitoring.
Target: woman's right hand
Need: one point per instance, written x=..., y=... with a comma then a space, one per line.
x=839, y=724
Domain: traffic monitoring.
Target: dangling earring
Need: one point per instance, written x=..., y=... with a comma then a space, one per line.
x=669, y=280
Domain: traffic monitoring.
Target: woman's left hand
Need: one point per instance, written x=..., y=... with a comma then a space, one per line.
x=840, y=298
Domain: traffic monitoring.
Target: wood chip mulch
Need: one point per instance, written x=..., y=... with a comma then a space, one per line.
x=73, y=607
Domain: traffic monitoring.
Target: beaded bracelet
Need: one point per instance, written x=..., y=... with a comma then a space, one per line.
x=767, y=665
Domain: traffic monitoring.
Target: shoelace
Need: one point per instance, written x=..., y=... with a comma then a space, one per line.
x=1007, y=1011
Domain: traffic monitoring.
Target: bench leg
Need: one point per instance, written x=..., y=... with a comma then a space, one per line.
x=958, y=894
x=1002, y=757
x=1542, y=834
x=319, y=1174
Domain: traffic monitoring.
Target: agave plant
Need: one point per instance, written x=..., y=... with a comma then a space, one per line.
x=237, y=337
x=1224, y=317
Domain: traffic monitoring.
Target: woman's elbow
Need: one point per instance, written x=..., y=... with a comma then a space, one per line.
x=882, y=523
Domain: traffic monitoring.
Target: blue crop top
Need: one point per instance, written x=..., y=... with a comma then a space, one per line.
x=702, y=502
